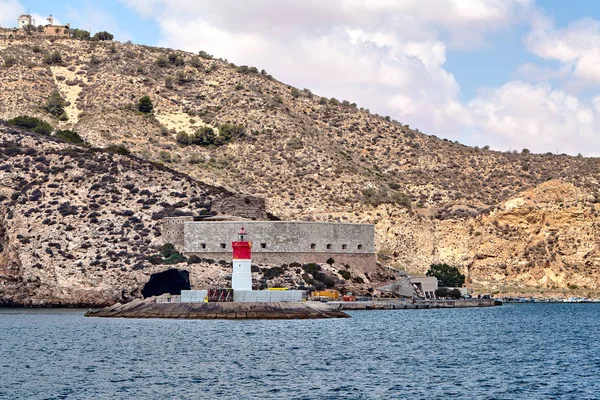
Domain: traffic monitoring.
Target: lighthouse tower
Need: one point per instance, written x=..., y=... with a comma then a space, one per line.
x=242, y=274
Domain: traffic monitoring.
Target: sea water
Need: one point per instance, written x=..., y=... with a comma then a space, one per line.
x=517, y=351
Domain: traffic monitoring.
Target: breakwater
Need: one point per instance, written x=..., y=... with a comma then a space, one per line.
x=394, y=304
x=149, y=308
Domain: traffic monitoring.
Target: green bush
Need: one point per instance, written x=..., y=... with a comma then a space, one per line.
x=9, y=61
x=70, y=136
x=311, y=268
x=80, y=34
x=447, y=275
x=32, y=124
x=227, y=132
x=175, y=59
x=183, y=77
x=183, y=138
x=195, y=62
x=244, y=69
x=205, y=55
x=145, y=105
x=162, y=62
x=103, y=36
x=204, y=136
x=270, y=273
x=345, y=274
x=167, y=250
x=117, y=149
x=55, y=58
x=55, y=105
x=174, y=259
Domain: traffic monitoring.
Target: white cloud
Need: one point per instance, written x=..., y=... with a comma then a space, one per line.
x=10, y=10
x=576, y=45
x=536, y=117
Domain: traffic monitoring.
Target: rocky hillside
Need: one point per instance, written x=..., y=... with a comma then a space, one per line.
x=314, y=158
x=77, y=224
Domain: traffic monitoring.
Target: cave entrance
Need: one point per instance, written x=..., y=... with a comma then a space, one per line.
x=171, y=281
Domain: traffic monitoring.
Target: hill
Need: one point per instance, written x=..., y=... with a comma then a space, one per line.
x=313, y=158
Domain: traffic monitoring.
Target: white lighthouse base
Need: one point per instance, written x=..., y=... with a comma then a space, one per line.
x=241, y=279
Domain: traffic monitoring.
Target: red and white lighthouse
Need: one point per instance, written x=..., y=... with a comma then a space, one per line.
x=241, y=279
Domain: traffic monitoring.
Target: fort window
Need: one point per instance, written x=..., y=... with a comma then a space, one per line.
x=344, y=246
x=313, y=246
x=263, y=245
x=203, y=245
x=328, y=246
x=223, y=245
x=360, y=246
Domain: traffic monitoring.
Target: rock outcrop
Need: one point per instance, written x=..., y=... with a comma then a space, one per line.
x=77, y=224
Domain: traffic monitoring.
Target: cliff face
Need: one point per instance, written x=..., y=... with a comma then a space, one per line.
x=312, y=158
x=77, y=225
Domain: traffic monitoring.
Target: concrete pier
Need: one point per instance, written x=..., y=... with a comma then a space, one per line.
x=394, y=304
x=149, y=308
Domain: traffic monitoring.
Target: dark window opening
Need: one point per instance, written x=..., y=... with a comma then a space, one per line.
x=223, y=245
x=344, y=246
x=313, y=246
x=263, y=245
x=328, y=247
x=360, y=246
x=203, y=245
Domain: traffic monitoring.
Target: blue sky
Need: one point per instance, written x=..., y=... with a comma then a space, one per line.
x=506, y=73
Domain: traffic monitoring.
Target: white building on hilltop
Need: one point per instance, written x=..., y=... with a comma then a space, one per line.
x=25, y=20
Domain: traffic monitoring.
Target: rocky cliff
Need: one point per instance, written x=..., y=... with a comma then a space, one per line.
x=77, y=224
x=313, y=158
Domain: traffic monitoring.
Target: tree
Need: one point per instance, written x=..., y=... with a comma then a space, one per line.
x=80, y=34
x=204, y=136
x=55, y=105
x=525, y=151
x=447, y=275
x=103, y=36
x=145, y=105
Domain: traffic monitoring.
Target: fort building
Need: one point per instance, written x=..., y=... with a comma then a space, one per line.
x=275, y=242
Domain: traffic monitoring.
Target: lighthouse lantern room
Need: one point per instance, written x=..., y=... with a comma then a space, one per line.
x=241, y=279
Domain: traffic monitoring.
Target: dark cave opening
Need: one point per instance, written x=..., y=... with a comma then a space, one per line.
x=171, y=281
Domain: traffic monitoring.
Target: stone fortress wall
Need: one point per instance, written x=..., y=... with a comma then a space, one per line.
x=275, y=242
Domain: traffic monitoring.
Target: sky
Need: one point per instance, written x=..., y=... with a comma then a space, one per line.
x=510, y=74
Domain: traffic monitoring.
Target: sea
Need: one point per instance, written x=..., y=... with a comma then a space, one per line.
x=517, y=351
